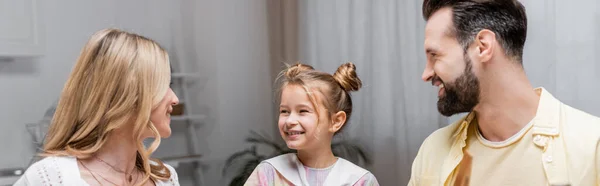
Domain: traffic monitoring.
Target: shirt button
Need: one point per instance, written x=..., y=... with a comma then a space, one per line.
x=540, y=140
x=548, y=158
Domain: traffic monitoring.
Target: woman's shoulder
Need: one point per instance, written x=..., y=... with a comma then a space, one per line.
x=50, y=170
x=174, y=179
x=53, y=164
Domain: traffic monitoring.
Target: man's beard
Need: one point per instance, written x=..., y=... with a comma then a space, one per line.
x=459, y=96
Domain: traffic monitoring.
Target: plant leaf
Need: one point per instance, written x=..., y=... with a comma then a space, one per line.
x=230, y=161
x=239, y=180
x=246, y=171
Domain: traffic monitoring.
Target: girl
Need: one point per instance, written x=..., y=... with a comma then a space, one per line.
x=313, y=107
x=116, y=96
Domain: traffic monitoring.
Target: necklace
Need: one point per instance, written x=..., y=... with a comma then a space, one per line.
x=89, y=171
x=128, y=177
x=105, y=179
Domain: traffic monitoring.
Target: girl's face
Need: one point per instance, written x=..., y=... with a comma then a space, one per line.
x=298, y=123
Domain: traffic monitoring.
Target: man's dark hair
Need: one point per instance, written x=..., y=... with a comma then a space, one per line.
x=506, y=18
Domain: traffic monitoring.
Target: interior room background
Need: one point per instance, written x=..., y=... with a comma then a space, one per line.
x=237, y=47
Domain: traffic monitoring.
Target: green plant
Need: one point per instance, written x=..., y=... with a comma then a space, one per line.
x=242, y=163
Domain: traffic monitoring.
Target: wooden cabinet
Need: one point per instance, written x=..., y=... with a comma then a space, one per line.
x=21, y=28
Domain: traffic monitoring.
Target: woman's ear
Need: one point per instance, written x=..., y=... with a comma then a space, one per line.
x=338, y=121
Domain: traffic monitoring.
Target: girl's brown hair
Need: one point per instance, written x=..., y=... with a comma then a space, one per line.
x=335, y=88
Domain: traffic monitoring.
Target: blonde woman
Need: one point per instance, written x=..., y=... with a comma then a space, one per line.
x=117, y=95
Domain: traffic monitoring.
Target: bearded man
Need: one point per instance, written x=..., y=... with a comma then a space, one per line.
x=513, y=134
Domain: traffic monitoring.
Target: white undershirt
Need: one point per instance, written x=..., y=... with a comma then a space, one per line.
x=506, y=142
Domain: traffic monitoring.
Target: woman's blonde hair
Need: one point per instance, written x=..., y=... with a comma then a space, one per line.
x=118, y=79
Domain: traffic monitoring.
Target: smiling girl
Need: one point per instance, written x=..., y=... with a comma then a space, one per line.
x=314, y=106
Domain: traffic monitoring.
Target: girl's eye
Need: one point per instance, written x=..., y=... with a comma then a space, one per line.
x=302, y=111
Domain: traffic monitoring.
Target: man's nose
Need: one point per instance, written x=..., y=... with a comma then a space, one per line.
x=427, y=74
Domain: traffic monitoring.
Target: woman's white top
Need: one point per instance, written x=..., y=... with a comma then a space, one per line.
x=57, y=170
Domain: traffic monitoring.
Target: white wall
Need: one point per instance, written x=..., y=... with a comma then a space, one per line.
x=225, y=41
x=560, y=54
x=232, y=49
x=31, y=85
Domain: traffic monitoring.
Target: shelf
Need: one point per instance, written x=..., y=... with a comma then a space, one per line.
x=176, y=160
x=188, y=118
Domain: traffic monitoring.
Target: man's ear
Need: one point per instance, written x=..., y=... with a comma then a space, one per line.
x=338, y=121
x=486, y=43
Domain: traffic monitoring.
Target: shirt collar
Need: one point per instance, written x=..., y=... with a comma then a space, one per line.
x=545, y=120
